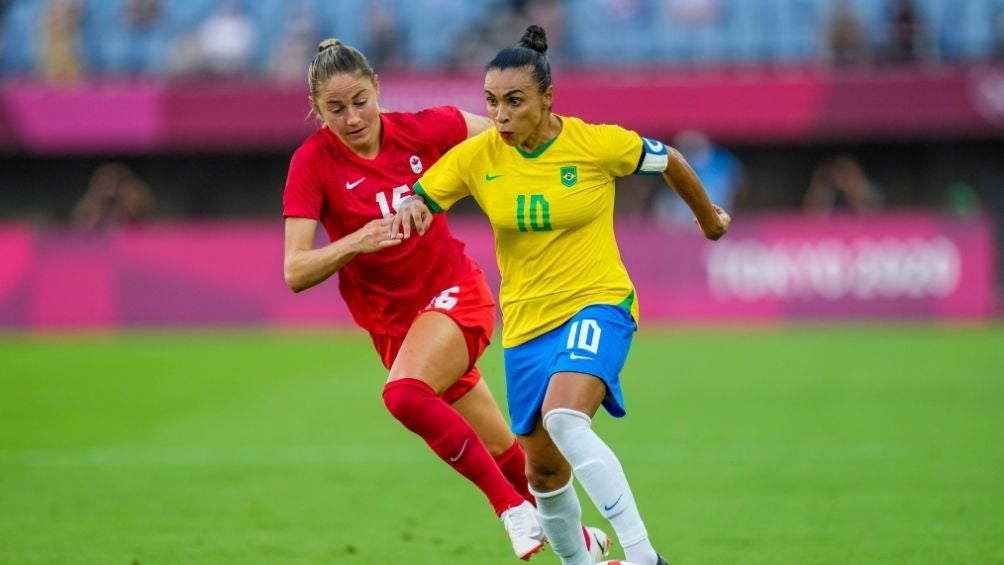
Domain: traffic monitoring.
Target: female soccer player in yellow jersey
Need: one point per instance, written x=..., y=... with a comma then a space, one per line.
x=569, y=309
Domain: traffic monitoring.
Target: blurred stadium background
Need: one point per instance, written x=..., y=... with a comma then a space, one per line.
x=824, y=385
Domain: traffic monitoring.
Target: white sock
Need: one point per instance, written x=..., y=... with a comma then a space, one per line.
x=602, y=477
x=561, y=519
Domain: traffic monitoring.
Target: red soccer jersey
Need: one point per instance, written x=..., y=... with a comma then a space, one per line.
x=329, y=183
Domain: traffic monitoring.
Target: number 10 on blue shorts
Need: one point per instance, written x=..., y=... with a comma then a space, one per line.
x=594, y=342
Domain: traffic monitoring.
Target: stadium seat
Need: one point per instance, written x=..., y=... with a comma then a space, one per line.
x=599, y=32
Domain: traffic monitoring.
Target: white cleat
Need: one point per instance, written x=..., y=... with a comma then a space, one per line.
x=523, y=527
x=597, y=542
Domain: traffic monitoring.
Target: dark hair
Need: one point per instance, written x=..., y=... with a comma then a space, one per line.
x=334, y=58
x=531, y=52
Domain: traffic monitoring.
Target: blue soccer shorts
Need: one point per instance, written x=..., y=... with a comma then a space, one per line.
x=595, y=342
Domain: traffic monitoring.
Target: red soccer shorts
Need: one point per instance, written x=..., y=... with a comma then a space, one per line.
x=471, y=305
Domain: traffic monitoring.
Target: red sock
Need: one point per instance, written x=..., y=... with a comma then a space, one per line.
x=416, y=405
x=512, y=462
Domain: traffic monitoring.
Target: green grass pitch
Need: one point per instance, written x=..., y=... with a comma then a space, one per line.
x=803, y=445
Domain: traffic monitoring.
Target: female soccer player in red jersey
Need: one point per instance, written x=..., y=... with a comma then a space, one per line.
x=425, y=303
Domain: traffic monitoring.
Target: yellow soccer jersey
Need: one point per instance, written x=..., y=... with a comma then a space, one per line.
x=552, y=214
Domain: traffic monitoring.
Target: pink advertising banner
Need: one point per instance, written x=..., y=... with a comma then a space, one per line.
x=778, y=268
x=795, y=268
x=731, y=105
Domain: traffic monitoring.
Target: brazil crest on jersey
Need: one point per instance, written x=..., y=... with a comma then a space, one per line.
x=552, y=214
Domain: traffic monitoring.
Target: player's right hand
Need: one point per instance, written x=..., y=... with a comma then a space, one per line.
x=411, y=212
x=376, y=235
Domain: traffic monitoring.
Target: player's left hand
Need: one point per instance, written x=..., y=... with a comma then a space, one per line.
x=411, y=212
x=716, y=232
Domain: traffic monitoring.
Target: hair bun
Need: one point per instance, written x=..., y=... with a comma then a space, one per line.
x=535, y=38
x=332, y=42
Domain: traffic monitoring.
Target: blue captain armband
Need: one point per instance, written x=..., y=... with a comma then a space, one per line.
x=654, y=157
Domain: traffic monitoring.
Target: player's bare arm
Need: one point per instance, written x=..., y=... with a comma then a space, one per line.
x=411, y=213
x=304, y=266
x=475, y=123
x=714, y=221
